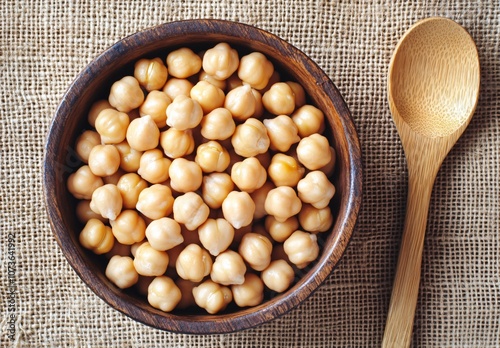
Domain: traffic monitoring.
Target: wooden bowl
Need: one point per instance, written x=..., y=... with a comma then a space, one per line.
x=94, y=82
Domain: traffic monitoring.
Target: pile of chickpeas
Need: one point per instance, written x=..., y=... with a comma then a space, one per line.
x=205, y=180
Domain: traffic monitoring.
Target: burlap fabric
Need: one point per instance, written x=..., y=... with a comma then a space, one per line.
x=44, y=44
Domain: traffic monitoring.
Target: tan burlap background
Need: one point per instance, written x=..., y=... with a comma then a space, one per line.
x=44, y=44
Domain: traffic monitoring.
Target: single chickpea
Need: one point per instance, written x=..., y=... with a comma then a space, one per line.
x=97, y=237
x=143, y=134
x=298, y=91
x=216, y=235
x=95, y=109
x=85, y=143
x=183, y=63
x=164, y=294
x=107, y=201
x=190, y=210
x=150, y=262
x=316, y=189
x=309, y=120
x=250, y=138
x=210, y=79
x=155, y=105
x=280, y=231
x=282, y=203
x=185, y=176
x=186, y=288
x=241, y=102
x=193, y=263
x=314, y=151
x=155, y=201
x=175, y=87
x=208, y=96
x=256, y=250
x=120, y=270
x=112, y=126
x=301, y=248
x=315, y=220
x=255, y=69
x=154, y=167
x=250, y=293
x=84, y=213
x=215, y=187
x=218, y=124
x=104, y=160
x=212, y=297
x=221, y=61
x=151, y=73
x=130, y=186
x=126, y=94
x=129, y=227
x=129, y=158
x=238, y=209
x=249, y=175
x=164, y=234
x=228, y=268
x=282, y=131
x=329, y=168
x=184, y=113
x=285, y=171
x=212, y=157
x=177, y=143
x=259, y=198
x=278, y=276
x=82, y=183
x=279, y=100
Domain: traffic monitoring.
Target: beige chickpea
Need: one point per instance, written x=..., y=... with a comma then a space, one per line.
x=82, y=183
x=107, y=201
x=126, y=94
x=309, y=120
x=241, y=102
x=85, y=143
x=216, y=235
x=250, y=293
x=175, y=87
x=249, y=175
x=301, y=248
x=155, y=201
x=255, y=69
x=212, y=157
x=97, y=237
x=190, y=210
x=104, y=160
x=279, y=100
x=151, y=73
x=143, y=134
x=298, y=91
x=228, y=268
x=218, y=124
x=278, y=276
x=221, y=61
x=209, y=97
x=129, y=158
x=314, y=151
x=259, y=197
x=281, y=230
x=193, y=263
x=84, y=213
x=150, y=262
x=215, y=187
x=316, y=189
x=164, y=234
x=154, y=167
x=284, y=170
x=210, y=79
x=185, y=176
x=183, y=63
x=329, y=168
x=177, y=143
x=164, y=294
x=184, y=113
x=112, y=126
x=238, y=209
x=130, y=186
x=250, y=138
x=283, y=203
x=155, y=105
x=120, y=270
x=315, y=220
x=282, y=132
x=128, y=228
x=212, y=297
x=256, y=250
x=95, y=109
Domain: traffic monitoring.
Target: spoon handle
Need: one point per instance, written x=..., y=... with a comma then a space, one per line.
x=404, y=297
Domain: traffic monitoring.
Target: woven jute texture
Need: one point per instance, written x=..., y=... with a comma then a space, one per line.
x=45, y=44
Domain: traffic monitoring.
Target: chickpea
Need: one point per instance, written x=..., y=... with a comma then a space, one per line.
x=129, y=158
x=84, y=213
x=214, y=189
x=280, y=231
x=316, y=189
x=314, y=151
x=155, y=201
x=249, y=175
x=238, y=209
x=256, y=250
x=279, y=100
x=241, y=102
x=208, y=96
x=129, y=227
x=250, y=138
x=175, y=87
x=210, y=79
x=315, y=220
x=212, y=297
x=107, y=201
x=130, y=186
x=185, y=176
x=177, y=143
x=184, y=113
x=95, y=109
x=164, y=234
x=104, y=160
x=193, y=263
x=154, y=167
x=155, y=105
x=228, y=268
x=218, y=124
x=255, y=69
x=329, y=168
x=120, y=270
x=164, y=294
x=151, y=73
x=126, y=94
x=212, y=157
x=301, y=248
x=282, y=132
x=97, y=237
x=259, y=198
x=278, y=276
x=284, y=170
x=221, y=61
x=190, y=210
x=309, y=120
x=250, y=293
x=298, y=91
x=183, y=63
x=112, y=126
x=216, y=235
x=143, y=134
x=85, y=143
x=283, y=203
x=82, y=183
x=149, y=261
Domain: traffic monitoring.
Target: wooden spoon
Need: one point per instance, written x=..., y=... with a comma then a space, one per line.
x=433, y=89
